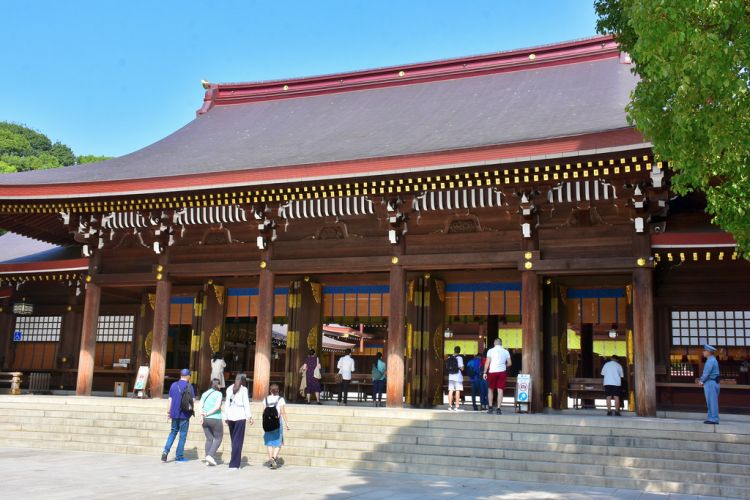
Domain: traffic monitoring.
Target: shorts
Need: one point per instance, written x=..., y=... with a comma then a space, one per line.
x=454, y=385
x=612, y=391
x=496, y=380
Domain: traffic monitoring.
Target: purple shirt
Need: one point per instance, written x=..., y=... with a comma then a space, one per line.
x=175, y=393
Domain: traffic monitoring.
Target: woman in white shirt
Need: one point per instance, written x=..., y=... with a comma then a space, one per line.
x=274, y=438
x=217, y=370
x=236, y=413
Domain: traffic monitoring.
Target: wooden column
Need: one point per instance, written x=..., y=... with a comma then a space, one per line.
x=70, y=343
x=425, y=315
x=210, y=326
x=143, y=328
x=6, y=337
x=532, y=337
x=159, y=340
x=643, y=342
x=88, y=339
x=305, y=332
x=396, y=341
x=263, y=332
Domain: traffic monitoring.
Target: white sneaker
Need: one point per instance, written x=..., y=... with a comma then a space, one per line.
x=210, y=460
x=458, y=409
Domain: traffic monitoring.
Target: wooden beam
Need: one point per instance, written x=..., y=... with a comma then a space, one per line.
x=159, y=340
x=643, y=342
x=264, y=329
x=88, y=340
x=532, y=337
x=124, y=280
x=559, y=267
x=396, y=340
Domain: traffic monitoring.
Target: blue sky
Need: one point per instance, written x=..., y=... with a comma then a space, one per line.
x=109, y=77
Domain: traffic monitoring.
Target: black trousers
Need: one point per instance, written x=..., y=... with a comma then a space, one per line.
x=344, y=390
x=237, y=433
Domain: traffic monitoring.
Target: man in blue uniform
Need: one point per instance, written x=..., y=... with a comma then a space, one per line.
x=710, y=382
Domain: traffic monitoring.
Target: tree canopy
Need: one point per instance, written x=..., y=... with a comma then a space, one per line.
x=22, y=149
x=692, y=101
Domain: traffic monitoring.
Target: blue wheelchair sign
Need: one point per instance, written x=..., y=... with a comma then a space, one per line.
x=523, y=396
x=17, y=336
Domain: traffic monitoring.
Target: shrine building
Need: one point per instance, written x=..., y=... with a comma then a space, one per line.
x=404, y=210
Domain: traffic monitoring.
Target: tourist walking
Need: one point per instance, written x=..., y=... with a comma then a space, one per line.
x=311, y=369
x=236, y=414
x=455, y=366
x=345, y=367
x=181, y=397
x=378, y=379
x=212, y=425
x=710, y=382
x=274, y=420
x=217, y=370
x=613, y=375
x=478, y=384
x=496, y=373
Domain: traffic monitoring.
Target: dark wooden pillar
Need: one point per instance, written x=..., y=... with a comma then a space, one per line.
x=532, y=337
x=643, y=342
x=425, y=315
x=69, y=345
x=144, y=327
x=157, y=364
x=6, y=337
x=210, y=324
x=305, y=316
x=395, y=344
x=555, y=352
x=87, y=353
x=263, y=334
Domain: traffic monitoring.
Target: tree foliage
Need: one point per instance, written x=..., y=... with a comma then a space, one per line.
x=693, y=100
x=23, y=149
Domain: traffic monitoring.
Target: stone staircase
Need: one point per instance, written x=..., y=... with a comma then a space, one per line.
x=650, y=454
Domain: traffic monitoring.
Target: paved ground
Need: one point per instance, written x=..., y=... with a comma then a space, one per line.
x=31, y=473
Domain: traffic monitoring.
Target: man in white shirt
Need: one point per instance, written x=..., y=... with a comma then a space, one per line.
x=496, y=372
x=613, y=375
x=345, y=367
x=455, y=379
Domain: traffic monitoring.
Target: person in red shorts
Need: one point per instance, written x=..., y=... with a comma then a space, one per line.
x=496, y=372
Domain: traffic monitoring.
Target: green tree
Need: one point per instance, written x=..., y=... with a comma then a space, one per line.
x=91, y=159
x=692, y=101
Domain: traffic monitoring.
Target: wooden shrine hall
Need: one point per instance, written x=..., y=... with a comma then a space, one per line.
x=405, y=210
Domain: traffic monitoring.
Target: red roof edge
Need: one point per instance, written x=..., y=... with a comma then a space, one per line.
x=692, y=240
x=592, y=48
x=50, y=266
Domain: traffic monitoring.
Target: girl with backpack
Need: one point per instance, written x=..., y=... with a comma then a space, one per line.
x=274, y=419
x=212, y=427
x=236, y=413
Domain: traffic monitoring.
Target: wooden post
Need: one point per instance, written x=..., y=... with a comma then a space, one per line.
x=160, y=332
x=6, y=337
x=395, y=368
x=88, y=339
x=532, y=337
x=263, y=334
x=305, y=320
x=643, y=348
x=210, y=323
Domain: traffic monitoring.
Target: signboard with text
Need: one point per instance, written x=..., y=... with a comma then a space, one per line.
x=523, y=391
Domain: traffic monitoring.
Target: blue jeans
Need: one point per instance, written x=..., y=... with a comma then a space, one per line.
x=378, y=387
x=179, y=425
x=479, y=386
x=711, y=390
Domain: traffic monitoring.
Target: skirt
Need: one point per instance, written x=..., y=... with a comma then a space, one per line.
x=275, y=438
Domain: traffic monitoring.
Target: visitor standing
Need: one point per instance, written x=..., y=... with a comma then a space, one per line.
x=274, y=421
x=212, y=425
x=613, y=375
x=345, y=367
x=236, y=414
x=478, y=384
x=378, y=379
x=311, y=369
x=455, y=366
x=710, y=382
x=217, y=370
x=496, y=373
x=180, y=410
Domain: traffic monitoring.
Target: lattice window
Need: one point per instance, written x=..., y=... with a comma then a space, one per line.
x=718, y=328
x=115, y=329
x=38, y=328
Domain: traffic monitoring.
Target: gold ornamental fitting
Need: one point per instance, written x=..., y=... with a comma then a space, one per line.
x=1, y=309
x=528, y=265
x=641, y=262
x=159, y=268
x=159, y=276
x=307, y=278
x=88, y=278
x=532, y=57
x=69, y=308
x=263, y=264
x=394, y=260
x=528, y=255
x=426, y=276
x=210, y=282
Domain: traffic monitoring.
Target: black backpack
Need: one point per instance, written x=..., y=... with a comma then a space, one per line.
x=186, y=401
x=451, y=365
x=271, y=420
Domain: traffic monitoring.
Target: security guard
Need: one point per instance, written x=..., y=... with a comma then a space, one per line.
x=710, y=382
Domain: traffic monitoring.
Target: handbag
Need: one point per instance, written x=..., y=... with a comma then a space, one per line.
x=316, y=373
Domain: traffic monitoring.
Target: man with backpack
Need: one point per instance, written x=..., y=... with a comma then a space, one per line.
x=455, y=367
x=181, y=397
x=478, y=384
